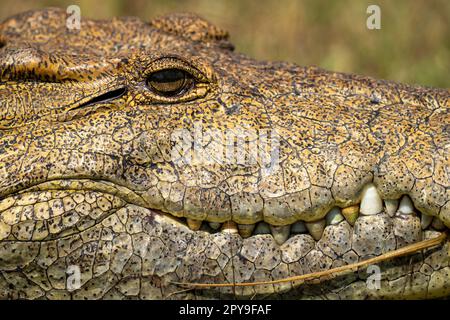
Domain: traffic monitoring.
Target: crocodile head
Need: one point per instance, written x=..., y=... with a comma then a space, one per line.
x=135, y=156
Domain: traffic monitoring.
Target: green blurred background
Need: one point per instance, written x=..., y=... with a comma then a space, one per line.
x=412, y=46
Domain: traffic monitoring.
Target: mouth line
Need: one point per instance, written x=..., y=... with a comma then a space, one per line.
x=370, y=204
x=402, y=209
x=224, y=255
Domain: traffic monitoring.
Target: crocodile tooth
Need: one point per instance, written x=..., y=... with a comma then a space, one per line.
x=245, y=230
x=437, y=224
x=430, y=234
x=262, y=228
x=214, y=225
x=194, y=225
x=316, y=228
x=298, y=227
x=371, y=202
x=406, y=206
x=351, y=214
x=280, y=233
x=391, y=206
x=334, y=216
x=425, y=221
x=229, y=227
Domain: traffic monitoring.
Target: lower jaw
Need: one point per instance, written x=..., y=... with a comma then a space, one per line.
x=141, y=253
x=227, y=258
x=141, y=248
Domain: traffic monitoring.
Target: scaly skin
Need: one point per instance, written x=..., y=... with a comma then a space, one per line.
x=93, y=184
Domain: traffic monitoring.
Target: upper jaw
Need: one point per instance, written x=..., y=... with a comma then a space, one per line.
x=305, y=187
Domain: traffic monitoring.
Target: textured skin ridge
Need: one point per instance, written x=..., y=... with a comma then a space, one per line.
x=83, y=184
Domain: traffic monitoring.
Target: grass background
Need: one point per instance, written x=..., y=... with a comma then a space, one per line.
x=412, y=46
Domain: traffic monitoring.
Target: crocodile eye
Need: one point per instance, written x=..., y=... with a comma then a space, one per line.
x=170, y=82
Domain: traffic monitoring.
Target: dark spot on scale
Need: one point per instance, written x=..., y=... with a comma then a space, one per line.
x=374, y=99
x=150, y=219
x=232, y=110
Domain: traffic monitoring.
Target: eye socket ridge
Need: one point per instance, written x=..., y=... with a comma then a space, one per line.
x=170, y=82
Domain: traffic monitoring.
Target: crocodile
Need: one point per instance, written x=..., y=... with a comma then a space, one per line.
x=138, y=157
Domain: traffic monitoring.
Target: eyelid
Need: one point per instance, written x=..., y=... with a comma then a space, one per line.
x=177, y=63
